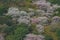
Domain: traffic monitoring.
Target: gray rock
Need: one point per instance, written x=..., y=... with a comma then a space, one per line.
x=40, y=28
x=2, y=36
x=34, y=37
x=31, y=14
x=40, y=20
x=55, y=19
x=43, y=20
x=49, y=15
x=39, y=12
x=13, y=11
x=23, y=13
x=46, y=6
x=50, y=9
x=23, y=20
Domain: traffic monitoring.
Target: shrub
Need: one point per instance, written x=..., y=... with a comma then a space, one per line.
x=19, y=33
x=58, y=32
x=48, y=37
x=5, y=20
x=3, y=9
x=54, y=1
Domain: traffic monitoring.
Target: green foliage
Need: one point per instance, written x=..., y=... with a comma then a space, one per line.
x=9, y=29
x=3, y=9
x=48, y=37
x=5, y=20
x=19, y=33
x=58, y=32
x=57, y=14
x=58, y=9
x=54, y=1
x=33, y=29
x=14, y=1
x=3, y=27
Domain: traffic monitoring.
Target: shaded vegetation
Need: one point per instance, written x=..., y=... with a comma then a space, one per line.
x=48, y=37
x=54, y=1
x=3, y=9
x=6, y=20
x=19, y=33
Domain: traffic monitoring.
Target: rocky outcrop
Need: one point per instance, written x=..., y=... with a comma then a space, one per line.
x=55, y=19
x=39, y=20
x=40, y=28
x=34, y=37
x=23, y=20
x=13, y=11
x=43, y=20
x=45, y=6
x=2, y=36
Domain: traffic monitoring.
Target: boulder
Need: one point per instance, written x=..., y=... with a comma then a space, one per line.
x=30, y=37
x=39, y=12
x=34, y=37
x=40, y=20
x=55, y=19
x=43, y=20
x=31, y=14
x=40, y=28
x=50, y=9
x=25, y=17
x=23, y=20
x=49, y=15
x=23, y=13
x=2, y=36
x=13, y=11
x=45, y=5
x=34, y=20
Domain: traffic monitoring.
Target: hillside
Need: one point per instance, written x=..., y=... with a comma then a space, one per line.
x=29, y=19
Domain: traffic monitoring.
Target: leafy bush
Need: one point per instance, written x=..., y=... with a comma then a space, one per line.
x=19, y=33
x=9, y=29
x=3, y=9
x=58, y=32
x=5, y=20
x=54, y=1
x=48, y=37
x=58, y=14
